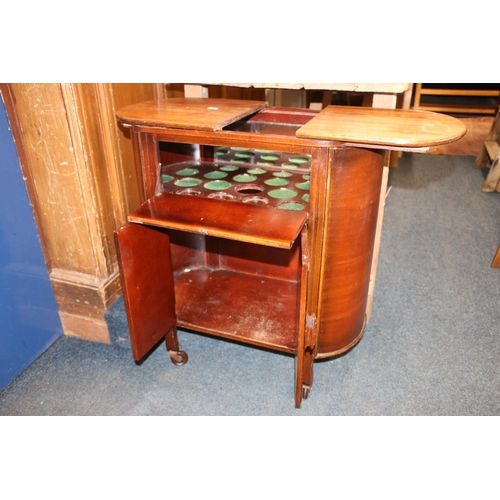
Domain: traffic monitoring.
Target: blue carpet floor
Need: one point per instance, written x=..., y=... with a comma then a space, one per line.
x=432, y=346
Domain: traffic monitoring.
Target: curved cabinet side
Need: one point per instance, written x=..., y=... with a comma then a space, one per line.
x=353, y=192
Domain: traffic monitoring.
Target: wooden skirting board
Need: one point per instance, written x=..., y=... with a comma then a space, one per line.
x=82, y=301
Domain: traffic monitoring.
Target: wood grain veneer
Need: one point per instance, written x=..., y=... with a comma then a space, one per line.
x=190, y=113
x=383, y=127
x=211, y=217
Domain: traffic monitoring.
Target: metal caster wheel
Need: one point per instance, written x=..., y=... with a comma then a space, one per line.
x=178, y=358
x=305, y=391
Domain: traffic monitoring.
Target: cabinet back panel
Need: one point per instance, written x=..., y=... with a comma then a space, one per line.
x=260, y=260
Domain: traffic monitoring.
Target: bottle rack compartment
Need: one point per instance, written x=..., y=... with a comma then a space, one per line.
x=277, y=180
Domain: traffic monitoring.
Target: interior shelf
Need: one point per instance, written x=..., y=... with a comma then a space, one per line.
x=253, y=309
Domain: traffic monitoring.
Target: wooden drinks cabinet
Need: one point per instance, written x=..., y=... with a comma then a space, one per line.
x=259, y=223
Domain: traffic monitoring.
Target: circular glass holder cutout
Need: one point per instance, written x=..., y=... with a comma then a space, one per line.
x=244, y=154
x=256, y=200
x=216, y=174
x=277, y=182
x=282, y=173
x=244, y=178
x=187, y=172
x=291, y=205
x=282, y=193
x=306, y=198
x=217, y=185
x=229, y=168
x=249, y=189
x=189, y=192
x=221, y=196
x=299, y=159
x=270, y=157
x=257, y=171
x=187, y=182
x=303, y=185
x=166, y=178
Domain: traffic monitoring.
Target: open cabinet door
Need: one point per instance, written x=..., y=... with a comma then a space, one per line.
x=306, y=341
x=148, y=285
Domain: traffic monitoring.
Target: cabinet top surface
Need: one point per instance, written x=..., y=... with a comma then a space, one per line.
x=189, y=113
x=389, y=127
x=393, y=128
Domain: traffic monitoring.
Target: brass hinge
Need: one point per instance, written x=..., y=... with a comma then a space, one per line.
x=310, y=334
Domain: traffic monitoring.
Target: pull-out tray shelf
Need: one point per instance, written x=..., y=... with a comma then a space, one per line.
x=236, y=221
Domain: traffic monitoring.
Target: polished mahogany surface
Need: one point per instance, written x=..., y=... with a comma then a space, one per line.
x=189, y=113
x=147, y=279
x=352, y=200
x=212, y=217
x=385, y=127
x=249, y=308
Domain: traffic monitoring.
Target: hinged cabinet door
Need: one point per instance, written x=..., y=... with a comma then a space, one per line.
x=148, y=285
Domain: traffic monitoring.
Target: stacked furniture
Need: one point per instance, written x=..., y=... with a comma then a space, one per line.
x=468, y=98
x=489, y=156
